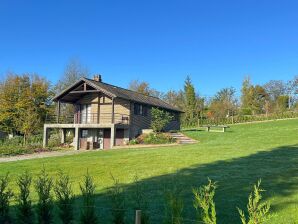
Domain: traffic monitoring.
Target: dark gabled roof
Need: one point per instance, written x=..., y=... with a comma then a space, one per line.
x=115, y=91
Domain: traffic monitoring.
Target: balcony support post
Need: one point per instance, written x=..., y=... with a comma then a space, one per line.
x=77, y=139
x=45, y=136
x=58, y=111
x=113, y=134
x=113, y=110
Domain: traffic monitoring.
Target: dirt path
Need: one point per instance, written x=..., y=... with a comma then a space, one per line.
x=39, y=155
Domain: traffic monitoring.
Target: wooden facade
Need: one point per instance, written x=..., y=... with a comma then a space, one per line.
x=101, y=119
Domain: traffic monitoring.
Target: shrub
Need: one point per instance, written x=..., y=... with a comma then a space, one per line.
x=140, y=199
x=204, y=203
x=25, y=213
x=160, y=119
x=174, y=206
x=155, y=138
x=88, y=214
x=64, y=195
x=258, y=211
x=5, y=196
x=43, y=186
x=117, y=200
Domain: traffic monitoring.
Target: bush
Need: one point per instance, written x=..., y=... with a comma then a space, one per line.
x=64, y=195
x=258, y=211
x=140, y=199
x=154, y=138
x=173, y=205
x=204, y=203
x=5, y=196
x=88, y=214
x=25, y=213
x=160, y=119
x=43, y=187
x=117, y=200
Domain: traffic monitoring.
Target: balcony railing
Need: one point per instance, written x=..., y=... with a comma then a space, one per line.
x=90, y=118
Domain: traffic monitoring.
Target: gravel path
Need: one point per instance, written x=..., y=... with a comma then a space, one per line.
x=39, y=155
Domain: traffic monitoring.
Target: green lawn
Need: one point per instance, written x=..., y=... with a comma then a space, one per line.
x=235, y=159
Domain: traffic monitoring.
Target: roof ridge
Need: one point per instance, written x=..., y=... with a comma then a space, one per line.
x=124, y=89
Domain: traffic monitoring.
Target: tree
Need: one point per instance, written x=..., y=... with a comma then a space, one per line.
x=144, y=88
x=253, y=98
x=160, y=119
x=275, y=89
x=224, y=103
x=73, y=71
x=190, y=102
x=24, y=103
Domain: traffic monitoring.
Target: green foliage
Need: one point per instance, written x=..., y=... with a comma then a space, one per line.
x=23, y=103
x=258, y=211
x=65, y=198
x=25, y=213
x=156, y=138
x=140, y=199
x=88, y=213
x=5, y=196
x=190, y=102
x=43, y=187
x=204, y=203
x=117, y=199
x=160, y=119
x=174, y=205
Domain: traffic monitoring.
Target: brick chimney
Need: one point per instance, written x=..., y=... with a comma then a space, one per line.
x=97, y=78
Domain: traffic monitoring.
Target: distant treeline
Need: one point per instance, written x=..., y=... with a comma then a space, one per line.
x=25, y=100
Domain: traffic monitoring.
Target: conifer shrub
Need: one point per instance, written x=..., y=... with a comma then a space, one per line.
x=65, y=198
x=44, y=207
x=204, y=203
x=5, y=196
x=25, y=214
x=257, y=210
x=174, y=205
x=117, y=200
x=88, y=212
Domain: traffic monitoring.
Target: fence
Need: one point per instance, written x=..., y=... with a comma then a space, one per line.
x=245, y=118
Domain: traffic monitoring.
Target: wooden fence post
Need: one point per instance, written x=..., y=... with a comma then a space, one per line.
x=138, y=217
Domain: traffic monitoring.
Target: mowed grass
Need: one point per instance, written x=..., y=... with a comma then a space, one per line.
x=235, y=160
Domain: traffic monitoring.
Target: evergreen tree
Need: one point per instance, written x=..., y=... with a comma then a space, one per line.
x=190, y=102
x=24, y=207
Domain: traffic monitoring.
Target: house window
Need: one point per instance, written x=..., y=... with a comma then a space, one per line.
x=140, y=109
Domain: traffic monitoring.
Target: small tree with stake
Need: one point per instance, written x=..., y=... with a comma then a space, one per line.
x=160, y=119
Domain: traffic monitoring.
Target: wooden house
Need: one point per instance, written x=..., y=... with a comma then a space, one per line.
x=105, y=115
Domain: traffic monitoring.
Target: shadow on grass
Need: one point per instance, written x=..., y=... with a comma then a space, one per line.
x=277, y=168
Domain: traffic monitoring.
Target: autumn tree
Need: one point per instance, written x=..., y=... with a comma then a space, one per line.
x=24, y=102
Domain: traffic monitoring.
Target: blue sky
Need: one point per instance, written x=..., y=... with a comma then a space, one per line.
x=159, y=41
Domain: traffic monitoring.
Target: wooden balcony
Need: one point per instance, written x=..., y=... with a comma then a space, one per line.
x=90, y=118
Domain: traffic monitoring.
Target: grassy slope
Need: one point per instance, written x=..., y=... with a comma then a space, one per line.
x=235, y=159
